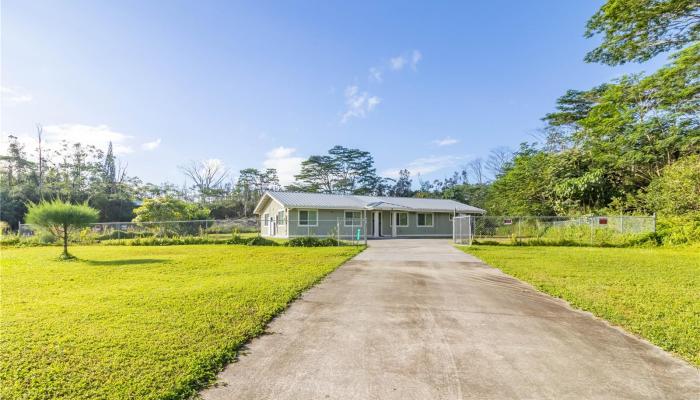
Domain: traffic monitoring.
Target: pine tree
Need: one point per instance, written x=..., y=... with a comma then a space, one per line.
x=110, y=169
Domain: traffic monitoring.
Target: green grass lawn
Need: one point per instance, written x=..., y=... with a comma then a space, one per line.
x=140, y=322
x=654, y=293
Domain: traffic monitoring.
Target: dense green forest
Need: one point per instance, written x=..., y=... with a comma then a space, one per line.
x=629, y=146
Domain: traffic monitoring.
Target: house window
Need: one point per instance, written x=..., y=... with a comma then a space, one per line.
x=425, y=219
x=266, y=219
x=353, y=218
x=308, y=218
x=401, y=219
x=280, y=217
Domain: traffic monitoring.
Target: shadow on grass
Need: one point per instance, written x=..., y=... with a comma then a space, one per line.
x=131, y=261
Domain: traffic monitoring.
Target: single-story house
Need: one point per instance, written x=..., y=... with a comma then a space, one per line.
x=294, y=214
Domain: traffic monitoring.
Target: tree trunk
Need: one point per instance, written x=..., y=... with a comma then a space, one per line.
x=65, y=240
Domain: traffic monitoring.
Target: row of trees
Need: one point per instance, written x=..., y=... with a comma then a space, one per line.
x=613, y=147
x=626, y=146
x=73, y=172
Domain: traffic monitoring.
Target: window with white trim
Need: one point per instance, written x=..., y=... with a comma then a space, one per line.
x=308, y=218
x=280, y=217
x=401, y=219
x=424, y=219
x=353, y=218
x=266, y=219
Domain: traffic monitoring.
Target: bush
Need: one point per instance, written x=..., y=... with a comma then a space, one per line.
x=119, y=234
x=9, y=240
x=184, y=240
x=169, y=209
x=310, y=241
x=236, y=239
x=4, y=227
x=40, y=238
x=680, y=229
x=231, y=228
x=261, y=241
x=677, y=190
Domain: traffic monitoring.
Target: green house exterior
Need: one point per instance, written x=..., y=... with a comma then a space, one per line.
x=293, y=214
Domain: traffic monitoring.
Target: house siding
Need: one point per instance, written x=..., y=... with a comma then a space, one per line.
x=279, y=229
x=330, y=222
x=442, y=226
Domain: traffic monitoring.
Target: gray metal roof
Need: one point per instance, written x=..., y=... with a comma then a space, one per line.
x=353, y=202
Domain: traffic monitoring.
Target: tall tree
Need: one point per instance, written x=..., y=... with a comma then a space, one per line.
x=343, y=170
x=252, y=183
x=402, y=187
x=476, y=169
x=207, y=176
x=355, y=168
x=40, y=158
x=498, y=161
x=110, y=169
x=637, y=30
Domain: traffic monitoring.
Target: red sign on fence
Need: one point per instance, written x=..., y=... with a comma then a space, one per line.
x=507, y=222
x=602, y=221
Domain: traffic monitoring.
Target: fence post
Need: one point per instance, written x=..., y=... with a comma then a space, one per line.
x=654, y=222
x=364, y=226
x=622, y=224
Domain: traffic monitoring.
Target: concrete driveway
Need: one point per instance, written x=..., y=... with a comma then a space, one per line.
x=418, y=319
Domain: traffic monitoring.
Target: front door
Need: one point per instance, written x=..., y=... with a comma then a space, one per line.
x=273, y=227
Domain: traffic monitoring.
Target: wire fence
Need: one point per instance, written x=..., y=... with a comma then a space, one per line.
x=462, y=229
x=354, y=230
x=466, y=229
x=587, y=229
x=130, y=230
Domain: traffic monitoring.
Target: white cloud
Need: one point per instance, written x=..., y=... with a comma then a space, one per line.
x=425, y=165
x=14, y=96
x=416, y=56
x=375, y=74
x=397, y=63
x=151, y=145
x=95, y=135
x=358, y=104
x=448, y=141
x=285, y=162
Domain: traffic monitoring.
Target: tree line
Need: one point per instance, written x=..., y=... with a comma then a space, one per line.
x=631, y=145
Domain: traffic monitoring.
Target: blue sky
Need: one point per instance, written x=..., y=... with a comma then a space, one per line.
x=426, y=87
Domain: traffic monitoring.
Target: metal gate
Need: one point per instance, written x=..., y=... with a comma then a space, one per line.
x=462, y=229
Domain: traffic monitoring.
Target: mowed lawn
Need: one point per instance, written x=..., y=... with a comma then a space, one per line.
x=654, y=293
x=140, y=322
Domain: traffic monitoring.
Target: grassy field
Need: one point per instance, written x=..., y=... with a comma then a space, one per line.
x=140, y=322
x=654, y=293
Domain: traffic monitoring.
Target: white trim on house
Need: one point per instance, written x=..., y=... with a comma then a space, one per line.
x=272, y=198
x=357, y=202
x=432, y=220
x=284, y=217
x=299, y=217
x=408, y=223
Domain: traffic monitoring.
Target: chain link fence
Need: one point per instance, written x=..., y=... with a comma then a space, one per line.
x=462, y=229
x=583, y=230
x=352, y=230
x=130, y=230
